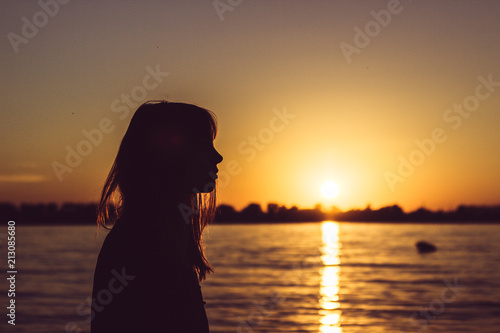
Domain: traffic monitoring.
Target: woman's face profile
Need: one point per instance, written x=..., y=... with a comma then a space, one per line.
x=192, y=165
x=205, y=160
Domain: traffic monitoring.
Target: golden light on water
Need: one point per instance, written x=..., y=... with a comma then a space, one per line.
x=331, y=315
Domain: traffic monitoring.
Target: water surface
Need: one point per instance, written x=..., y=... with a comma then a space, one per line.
x=300, y=277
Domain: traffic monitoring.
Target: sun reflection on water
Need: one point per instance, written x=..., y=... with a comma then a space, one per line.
x=331, y=315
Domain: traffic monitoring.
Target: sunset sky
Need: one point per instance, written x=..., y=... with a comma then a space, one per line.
x=396, y=102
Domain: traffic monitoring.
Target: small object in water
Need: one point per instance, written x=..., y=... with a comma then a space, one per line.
x=425, y=247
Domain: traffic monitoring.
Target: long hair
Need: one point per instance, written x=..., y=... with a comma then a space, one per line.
x=150, y=174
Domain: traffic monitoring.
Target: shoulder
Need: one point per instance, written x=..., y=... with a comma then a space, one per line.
x=141, y=248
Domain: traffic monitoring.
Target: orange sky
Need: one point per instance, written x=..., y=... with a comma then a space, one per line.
x=302, y=96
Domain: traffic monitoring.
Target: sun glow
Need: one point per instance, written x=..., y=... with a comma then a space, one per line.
x=329, y=189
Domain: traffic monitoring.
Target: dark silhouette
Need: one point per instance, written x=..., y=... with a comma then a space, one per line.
x=253, y=214
x=81, y=213
x=425, y=247
x=159, y=196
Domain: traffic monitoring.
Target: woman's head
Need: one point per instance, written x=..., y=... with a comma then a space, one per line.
x=167, y=152
x=166, y=160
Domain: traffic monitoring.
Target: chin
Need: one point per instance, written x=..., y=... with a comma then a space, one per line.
x=204, y=187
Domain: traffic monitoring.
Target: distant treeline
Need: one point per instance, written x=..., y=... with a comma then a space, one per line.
x=78, y=213
x=275, y=213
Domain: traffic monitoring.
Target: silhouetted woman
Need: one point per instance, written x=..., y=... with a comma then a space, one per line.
x=159, y=196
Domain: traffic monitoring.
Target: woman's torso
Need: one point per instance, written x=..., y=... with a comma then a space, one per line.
x=141, y=285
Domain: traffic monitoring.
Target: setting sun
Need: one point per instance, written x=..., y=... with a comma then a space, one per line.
x=329, y=189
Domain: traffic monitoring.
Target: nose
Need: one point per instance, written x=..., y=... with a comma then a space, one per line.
x=218, y=157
